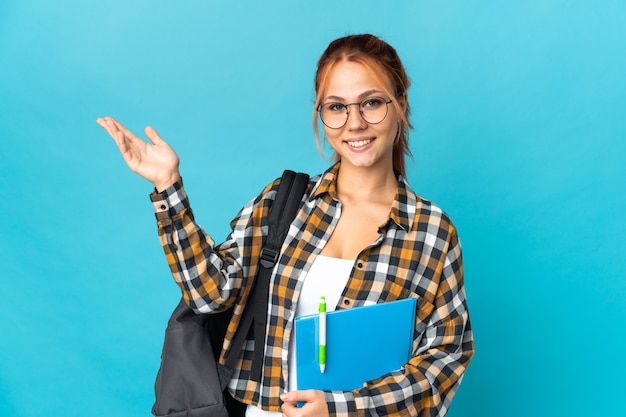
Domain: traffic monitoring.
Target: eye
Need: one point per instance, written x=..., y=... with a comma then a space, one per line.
x=335, y=107
x=372, y=103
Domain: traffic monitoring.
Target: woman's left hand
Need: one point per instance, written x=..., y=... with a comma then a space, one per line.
x=314, y=404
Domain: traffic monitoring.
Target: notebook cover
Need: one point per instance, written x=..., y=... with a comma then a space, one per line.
x=362, y=343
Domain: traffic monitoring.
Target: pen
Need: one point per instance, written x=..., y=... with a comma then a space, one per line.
x=322, y=311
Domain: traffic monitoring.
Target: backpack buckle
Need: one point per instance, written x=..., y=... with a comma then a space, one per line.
x=268, y=257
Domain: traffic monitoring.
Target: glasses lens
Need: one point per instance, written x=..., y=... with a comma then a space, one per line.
x=334, y=115
x=374, y=110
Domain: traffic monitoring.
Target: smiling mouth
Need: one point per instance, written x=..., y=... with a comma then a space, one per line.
x=359, y=143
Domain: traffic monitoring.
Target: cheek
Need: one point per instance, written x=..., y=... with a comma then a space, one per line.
x=331, y=134
x=394, y=127
x=389, y=127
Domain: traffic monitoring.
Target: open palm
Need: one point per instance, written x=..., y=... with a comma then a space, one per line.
x=155, y=161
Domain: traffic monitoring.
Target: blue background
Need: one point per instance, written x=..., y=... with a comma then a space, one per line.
x=520, y=125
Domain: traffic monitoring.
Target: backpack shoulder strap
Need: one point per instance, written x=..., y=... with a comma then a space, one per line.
x=281, y=214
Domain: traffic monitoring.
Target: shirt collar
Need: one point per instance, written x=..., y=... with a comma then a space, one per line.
x=402, y=210
x=327, y=184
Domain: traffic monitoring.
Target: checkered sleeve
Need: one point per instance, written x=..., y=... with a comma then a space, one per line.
x=442, y=350
x=209, y=276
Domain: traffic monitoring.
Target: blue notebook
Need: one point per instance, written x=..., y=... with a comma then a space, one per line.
x=362, y=343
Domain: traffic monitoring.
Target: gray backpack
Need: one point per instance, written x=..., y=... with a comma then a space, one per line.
x=190, y=382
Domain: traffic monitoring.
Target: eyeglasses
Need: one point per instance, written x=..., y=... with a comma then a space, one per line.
x=335, y=115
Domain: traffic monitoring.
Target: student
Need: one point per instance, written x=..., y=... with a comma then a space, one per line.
x=361, y=235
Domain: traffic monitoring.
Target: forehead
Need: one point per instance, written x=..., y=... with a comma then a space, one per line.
x=349, y=79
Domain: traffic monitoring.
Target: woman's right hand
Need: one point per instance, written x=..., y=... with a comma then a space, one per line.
x=155, y=161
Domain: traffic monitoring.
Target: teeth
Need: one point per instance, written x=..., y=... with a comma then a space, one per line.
x=359, y=143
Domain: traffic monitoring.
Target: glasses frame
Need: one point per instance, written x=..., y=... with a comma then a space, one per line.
x=347, y=106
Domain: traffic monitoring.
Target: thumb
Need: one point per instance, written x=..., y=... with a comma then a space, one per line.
x=153, y=136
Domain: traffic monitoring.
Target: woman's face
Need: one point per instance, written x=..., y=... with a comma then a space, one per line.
x=359, y=143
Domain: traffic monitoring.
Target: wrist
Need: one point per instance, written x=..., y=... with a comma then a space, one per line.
x=162, y=185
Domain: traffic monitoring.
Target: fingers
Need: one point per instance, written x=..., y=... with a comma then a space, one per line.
x=105, y=125
x=124, y=138
x=314, y=403
x=108, y=123
x=153, y=136
x=115, y=128
x=298, y=396
x=120, y=127
x=128, y=144
x=119, y=132
x=289, y=409
x=112, y=127
x=102, y=122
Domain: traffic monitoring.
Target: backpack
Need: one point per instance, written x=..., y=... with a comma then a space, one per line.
x=190, y=382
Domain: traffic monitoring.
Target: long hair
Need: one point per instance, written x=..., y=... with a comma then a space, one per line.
x=381, y=60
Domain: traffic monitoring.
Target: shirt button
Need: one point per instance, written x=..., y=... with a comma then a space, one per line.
x=346, y=302
x=360, y=265
x=163, y=206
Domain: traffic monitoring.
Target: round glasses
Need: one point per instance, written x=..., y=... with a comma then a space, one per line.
x=335, y=115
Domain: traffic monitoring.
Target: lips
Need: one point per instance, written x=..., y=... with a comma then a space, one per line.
x=359, y=143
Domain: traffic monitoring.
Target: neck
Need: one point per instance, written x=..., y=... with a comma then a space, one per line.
x=366, y=183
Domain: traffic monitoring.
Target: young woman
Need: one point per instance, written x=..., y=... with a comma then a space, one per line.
x=359, y=220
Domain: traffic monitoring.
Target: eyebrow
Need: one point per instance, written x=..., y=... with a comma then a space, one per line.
x=361, y=96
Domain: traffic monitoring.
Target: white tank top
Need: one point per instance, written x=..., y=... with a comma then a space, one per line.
x=327, y=277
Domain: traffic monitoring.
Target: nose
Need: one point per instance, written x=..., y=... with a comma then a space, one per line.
x=355, y=119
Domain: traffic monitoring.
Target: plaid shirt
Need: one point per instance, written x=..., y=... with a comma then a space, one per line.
x=417, y=254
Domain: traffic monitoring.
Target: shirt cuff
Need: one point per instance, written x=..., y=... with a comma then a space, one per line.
x=345, y=404
x=169, y=202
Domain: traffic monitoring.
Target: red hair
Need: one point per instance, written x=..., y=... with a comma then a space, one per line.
x=382, y=61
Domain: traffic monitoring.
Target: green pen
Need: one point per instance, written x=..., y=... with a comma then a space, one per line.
x=322, y=335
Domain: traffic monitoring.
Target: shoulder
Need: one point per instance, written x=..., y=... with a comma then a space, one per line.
x=270, y=190
x=425, y=215
x=264, y=200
